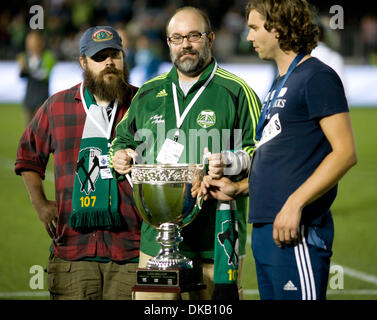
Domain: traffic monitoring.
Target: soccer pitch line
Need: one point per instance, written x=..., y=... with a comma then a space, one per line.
x=361, y=292
x=251, y=292
x=24, y=294
x=359, y=275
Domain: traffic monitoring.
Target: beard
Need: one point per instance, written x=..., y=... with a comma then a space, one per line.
x=109, y=89
x=191, y=66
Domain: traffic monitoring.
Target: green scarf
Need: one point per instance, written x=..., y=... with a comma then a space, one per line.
x=95, y=193
x=226, y=252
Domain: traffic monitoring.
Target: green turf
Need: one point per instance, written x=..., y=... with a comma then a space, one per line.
x=24, y=242
x=355, y=208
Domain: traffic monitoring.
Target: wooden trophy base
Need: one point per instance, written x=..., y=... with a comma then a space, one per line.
x=172, y=281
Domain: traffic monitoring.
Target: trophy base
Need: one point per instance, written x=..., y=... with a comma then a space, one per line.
x=172, y=280
x=162, y=263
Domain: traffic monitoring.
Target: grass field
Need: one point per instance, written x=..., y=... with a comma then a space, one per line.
x=24, y=242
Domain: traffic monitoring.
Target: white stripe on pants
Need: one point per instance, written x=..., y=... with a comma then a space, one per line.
x=304, y=267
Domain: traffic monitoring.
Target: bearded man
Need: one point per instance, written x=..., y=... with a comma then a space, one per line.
x=196, y=105
x=93, y=222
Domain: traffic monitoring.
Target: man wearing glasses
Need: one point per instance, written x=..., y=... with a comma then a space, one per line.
x=196, y=105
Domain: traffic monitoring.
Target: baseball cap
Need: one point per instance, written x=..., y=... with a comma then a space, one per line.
x=98, y=38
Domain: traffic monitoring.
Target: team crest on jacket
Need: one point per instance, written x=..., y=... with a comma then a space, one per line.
x=88, y=169
x=206, y=118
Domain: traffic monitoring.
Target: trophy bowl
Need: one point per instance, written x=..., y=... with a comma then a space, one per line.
x=162, y=194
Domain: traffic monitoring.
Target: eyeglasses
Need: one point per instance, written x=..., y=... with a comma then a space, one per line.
x=191, y=37
x=103, y=55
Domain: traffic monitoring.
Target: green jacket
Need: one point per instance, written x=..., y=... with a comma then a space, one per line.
x=223, y=118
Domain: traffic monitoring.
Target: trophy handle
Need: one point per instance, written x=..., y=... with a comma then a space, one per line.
x=128, y=176
x=199, y=201
x=190, y=217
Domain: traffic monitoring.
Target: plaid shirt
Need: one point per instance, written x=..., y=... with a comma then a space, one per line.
x=57, y=128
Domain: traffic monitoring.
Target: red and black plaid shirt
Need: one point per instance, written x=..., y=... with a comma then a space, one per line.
x=57, y=128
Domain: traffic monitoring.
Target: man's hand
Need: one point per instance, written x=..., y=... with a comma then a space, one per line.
x=196, y=189
x=221, y=189
x=287, y=221
x=122, y=160
x=48, y=213
x=216, y=164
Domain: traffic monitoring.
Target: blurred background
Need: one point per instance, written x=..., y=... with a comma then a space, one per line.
x=64, y=20
x=142, y=26
x=348, y=44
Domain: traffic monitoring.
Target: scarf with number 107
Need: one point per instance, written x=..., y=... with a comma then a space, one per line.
x=95, y=195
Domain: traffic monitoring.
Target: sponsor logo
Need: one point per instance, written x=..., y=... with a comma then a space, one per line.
x=157, y=119
x=161, y=94
x=289, y=286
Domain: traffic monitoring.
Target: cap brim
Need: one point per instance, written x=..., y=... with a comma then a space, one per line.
x=91, y=52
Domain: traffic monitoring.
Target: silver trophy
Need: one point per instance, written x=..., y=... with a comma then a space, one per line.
x=162, y=194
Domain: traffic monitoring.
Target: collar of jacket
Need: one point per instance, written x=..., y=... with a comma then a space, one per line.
x=173, y=75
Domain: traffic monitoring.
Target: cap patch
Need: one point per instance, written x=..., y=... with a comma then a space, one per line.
x=102, y=35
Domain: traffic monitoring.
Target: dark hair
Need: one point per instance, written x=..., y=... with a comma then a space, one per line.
x=293, y=20
x=200, y=12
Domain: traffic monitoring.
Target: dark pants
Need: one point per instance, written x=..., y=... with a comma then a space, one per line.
x=293, y=272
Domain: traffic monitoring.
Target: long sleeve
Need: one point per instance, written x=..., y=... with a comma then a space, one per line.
x=35, y=144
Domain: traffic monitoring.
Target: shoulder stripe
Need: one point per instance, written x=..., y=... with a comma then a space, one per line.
x=121, y=121
x=249, y=92
x=126, y=115
x=251, y=98
x=160, y=77
x=246, y=87
x=140, y=92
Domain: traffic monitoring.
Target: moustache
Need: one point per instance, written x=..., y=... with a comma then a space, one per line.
x=111, y=70
x=187, y=51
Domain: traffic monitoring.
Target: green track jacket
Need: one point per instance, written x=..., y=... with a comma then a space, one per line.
x=223, y=118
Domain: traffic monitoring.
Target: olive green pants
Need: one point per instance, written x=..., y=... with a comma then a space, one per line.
x=90, y=280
